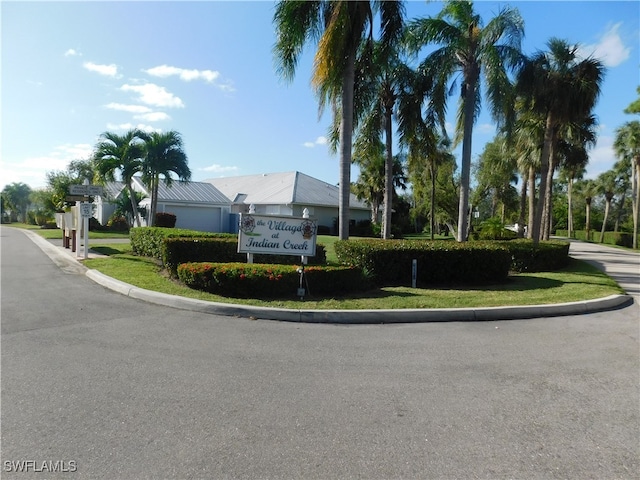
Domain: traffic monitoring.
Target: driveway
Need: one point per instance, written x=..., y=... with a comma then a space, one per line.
x=126, y=389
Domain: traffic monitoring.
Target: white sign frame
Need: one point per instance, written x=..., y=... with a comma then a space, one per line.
x=277, y=235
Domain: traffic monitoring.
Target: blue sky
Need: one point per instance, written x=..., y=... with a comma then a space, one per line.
x=72, y=70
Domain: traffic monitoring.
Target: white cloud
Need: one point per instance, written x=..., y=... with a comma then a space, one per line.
x=107, y=70
x=152, y=116
x=318, y=141
x=128, y=108
x=610, y=48
x=486, y=128
x=218, y=168
x=129, y=126
x=32, y=170
x=187, y=75
x=72, y=53
x=154, y=95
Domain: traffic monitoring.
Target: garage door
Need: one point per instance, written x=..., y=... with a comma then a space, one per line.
x=204, y=219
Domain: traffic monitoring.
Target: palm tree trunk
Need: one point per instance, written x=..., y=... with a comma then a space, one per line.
x=532, y=201
x=570, y=207
x=523, y=206
x=432, y=213
x=548, y=194
x=545, y=165
x=465, y=172
x=607, y=205
x=134, y=206
x=635, y=201
x=388, y=177
x=346, y=132
x=588, y=218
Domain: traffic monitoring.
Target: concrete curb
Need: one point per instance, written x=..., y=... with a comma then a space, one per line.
x=364, y=316
x=70, y=265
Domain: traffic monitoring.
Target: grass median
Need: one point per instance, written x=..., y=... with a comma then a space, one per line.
x=577, y=282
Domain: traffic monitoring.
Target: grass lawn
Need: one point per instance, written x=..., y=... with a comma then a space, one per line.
x=579, y=281
x=56, y=233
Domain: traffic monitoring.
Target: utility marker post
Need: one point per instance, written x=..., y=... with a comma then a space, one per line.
x=252, y=210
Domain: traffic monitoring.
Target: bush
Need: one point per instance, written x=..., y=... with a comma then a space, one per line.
x=149, y=241
x=179, y=250
x=493, y=229
x=167, y=220
x=390, y=262
x=545, y=257
x=269, y=280
x=118, y=223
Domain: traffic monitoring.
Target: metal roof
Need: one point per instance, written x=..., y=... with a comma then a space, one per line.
x=187, y=192
x=285, y=188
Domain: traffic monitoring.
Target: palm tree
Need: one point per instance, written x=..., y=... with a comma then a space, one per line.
x=474, y=52
x=588, y=189
x=606, y=185
x=573, y=168
x=627, y=147
x=123, y=153
x=340, y=27
x=164, y=156
x=561, y=89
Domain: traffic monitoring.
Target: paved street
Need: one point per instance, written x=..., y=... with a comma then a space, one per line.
x=127, y=390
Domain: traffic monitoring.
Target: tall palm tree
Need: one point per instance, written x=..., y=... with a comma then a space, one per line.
x=573, y=168
x=474, y=52
x=123, y=153
x=340, y=27
x=606, y=185
x=164, y=157
x=561, y=88
x=588, y=190
x=627, y=147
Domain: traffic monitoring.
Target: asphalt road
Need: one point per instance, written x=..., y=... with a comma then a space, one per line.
x=116, y=388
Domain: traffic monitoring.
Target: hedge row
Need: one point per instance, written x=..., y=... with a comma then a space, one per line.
x=622, y=239
x=445, y=262
x=223, y=250
x=174, y=246
x=264, y=280
x=149, y=241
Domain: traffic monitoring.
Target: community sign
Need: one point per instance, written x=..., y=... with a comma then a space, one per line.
x=277, y=235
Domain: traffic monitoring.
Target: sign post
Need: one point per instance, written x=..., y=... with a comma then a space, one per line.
x=84, y=210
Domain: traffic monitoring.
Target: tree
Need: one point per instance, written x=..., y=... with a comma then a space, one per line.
x=606, y=185
x=474, y=52
x=627, y=147
x=163, y=156
x=16, y=196
x=588, y=189
x=561, y=89
x=340, y=27
x=123, y=153
x=634, y=107
x=573, y=168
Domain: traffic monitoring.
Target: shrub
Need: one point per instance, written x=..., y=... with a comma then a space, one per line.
x=545, y=257
x=179, y=250
x=268, y=280
x=117, y=223
x=149, y=241
x=164, y=219
x=390, y=262
x=493, y=229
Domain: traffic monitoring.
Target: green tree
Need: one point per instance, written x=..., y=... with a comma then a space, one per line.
x=573, y=168
x=124, y=154
x=588, y=189
x=627, y=148
x=340, y=27
x=475, y=52
x=560, y=88
x=16, y=196
x=634, y=107
x=606, y=185
x=164, y=157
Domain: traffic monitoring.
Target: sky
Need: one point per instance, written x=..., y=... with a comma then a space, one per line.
x=73, y=70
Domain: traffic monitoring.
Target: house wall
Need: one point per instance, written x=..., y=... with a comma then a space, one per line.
x=204, y=218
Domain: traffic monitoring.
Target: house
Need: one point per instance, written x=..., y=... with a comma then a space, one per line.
x=196, y=205
x=288, y=193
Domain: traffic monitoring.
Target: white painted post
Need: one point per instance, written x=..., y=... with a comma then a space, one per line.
x=78, y=224
x=305, y=214
x=252, y=209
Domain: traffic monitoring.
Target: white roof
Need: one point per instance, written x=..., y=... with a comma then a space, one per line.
x=286, y=188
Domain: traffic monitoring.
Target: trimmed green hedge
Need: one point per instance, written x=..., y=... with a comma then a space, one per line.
x=389, y=262
x=545, y=257
x=149, y=241
x=244, y=280
x=622, y=239
x=223, y=250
